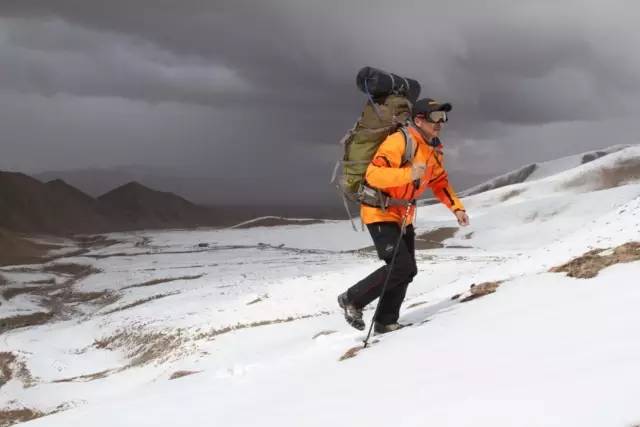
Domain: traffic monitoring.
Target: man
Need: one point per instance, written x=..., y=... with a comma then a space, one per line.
x=406, y=182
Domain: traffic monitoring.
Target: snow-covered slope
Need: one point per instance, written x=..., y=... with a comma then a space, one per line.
x=541, y=170
x=240, y=327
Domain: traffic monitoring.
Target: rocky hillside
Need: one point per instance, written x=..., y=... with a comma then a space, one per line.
x=32, y=207
x=135, y=206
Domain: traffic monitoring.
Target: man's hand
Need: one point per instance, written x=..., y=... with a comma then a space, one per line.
x=417, y=170
x=463, y=218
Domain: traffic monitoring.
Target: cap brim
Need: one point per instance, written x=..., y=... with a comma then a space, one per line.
x=426, y=106
x=444, y=107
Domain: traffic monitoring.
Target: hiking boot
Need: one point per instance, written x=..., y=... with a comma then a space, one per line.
x=352, y=314
x=380, y=328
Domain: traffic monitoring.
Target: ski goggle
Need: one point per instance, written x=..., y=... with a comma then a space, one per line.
x=437, y=117
x=434, y=116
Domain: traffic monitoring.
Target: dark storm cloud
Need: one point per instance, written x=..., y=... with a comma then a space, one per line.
x=249, y=41
x=193, y=83
x=502, y=58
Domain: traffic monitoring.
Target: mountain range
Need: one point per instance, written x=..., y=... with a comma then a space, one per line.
x=40, y=206
x=28, y=205
x=238, y=200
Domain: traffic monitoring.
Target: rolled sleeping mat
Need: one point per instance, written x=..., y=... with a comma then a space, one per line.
x=378, y=83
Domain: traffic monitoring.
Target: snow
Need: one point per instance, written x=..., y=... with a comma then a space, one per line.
x=20, y=305
x=246, y=311
x=542, y=170
x=270, y=217
x=553, y=167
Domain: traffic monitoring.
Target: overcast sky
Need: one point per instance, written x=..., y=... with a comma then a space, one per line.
x=256, y=94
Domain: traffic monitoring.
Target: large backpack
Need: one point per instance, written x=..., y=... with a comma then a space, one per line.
x=383, y=115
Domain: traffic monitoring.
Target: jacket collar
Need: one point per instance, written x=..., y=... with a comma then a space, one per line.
x=418, y=133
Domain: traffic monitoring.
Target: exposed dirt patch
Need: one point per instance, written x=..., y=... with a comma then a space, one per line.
x=510, y=195
x=481, y=290
x=88, y=377
x=151, y=347
x=68, y=296
x=12, y=292
x=105, y=342
x=101, y=298
x=140, y=302
x=143, y=348
x=276, y=221
x=143, y=243
x=142, y=254
x=23, y=321
x=433, y=239
x=51, y=281
x=323, y=333
x=263, y=246
x=109, y=298
x=417, y=304
x=477, y=291
x=621, y=173
x=259, y=299
x=216, y=332
x=353, y=351
x=590, y=264
x=15, y=249
x=180, y=374
x=95, y=242
x=3, y=280
x=60, y=300
x=164, y=280
x=77, y=271
x=6, y=370
x=9, y=417
x=11, y=367
x=71, y=273
x=430, y=240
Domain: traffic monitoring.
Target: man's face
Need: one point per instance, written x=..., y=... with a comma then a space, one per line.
x=432, y=130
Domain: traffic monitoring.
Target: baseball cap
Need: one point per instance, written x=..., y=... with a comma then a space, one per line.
x=425, y=106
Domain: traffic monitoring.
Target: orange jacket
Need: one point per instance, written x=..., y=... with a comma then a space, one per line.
x=385, y=173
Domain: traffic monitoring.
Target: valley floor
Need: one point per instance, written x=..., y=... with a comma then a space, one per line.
x=240, y=327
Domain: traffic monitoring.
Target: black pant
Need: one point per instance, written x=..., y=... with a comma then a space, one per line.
x=385, y=236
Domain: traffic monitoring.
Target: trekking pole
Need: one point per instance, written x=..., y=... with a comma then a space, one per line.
x=389, y=269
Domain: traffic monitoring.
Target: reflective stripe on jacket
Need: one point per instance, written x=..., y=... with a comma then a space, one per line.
x=386, y=173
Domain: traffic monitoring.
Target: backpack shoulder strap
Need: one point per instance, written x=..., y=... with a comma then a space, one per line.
x=410, y=146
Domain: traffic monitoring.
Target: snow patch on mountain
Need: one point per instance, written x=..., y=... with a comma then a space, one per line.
x=541, y=170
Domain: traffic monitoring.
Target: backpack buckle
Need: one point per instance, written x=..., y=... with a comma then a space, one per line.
x=373, y=197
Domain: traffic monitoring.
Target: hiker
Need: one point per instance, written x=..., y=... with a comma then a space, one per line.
x=405, y=182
